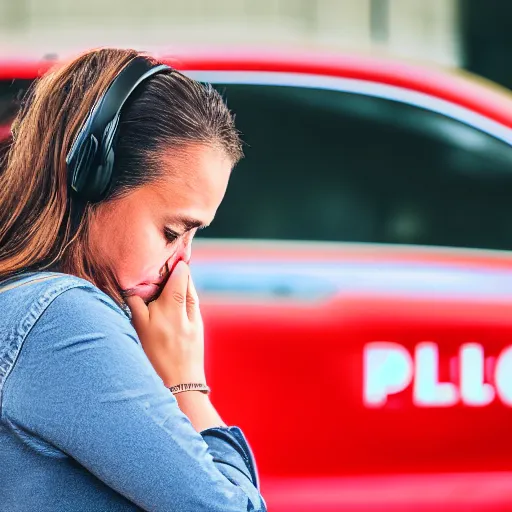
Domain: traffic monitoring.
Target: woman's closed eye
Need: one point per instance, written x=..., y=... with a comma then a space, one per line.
x=170, y=235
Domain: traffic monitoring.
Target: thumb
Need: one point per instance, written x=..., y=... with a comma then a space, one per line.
x=174, y=295
x=192, y=301
x=139, y=310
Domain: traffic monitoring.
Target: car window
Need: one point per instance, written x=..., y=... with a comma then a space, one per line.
x=336, y=166
x=11, y=92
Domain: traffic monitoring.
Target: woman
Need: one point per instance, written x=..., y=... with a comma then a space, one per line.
x=116, y=162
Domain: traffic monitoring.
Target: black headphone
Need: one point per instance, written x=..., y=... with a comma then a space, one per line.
x=90, y=160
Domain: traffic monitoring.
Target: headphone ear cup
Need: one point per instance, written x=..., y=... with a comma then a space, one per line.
x=99, y=180
x=108, y=172
x=90, y=160
x=86, y=154
x=102, y=179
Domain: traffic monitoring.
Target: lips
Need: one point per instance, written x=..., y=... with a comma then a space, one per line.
x=160, y=281
x=148, y=283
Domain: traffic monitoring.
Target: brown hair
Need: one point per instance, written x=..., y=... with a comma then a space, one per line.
x=168, y=110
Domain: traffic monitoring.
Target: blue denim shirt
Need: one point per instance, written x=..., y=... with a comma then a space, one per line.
x=86, y=424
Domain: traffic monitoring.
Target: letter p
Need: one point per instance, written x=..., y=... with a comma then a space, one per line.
x=388, y=369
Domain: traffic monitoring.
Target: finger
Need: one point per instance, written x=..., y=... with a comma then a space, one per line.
x=174, y=295
x=139, y=310
x=192, y=301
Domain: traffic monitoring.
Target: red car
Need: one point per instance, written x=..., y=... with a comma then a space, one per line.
x=357, y=282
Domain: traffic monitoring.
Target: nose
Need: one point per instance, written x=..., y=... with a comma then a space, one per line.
x=184, y=253
x=186, y=250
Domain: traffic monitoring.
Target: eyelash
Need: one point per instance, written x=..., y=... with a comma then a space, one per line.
x=170, y=235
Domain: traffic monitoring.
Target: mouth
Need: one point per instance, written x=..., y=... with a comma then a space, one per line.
x=161, y=279
x=146, y=291
x=152, y=288
x=152, y=283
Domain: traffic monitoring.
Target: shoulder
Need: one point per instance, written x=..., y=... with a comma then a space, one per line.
x=74, y=292
x=75, y=300
x=68, y=323
x=59, y=298
x=80, y=325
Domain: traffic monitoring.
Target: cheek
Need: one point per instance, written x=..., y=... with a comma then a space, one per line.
x=142, y=258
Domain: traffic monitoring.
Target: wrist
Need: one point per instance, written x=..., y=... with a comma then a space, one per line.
x=199, y=410
x=185, y=377
x=186, y=387
x=192, y=396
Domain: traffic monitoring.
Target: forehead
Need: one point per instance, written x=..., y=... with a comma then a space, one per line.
x=193, y=179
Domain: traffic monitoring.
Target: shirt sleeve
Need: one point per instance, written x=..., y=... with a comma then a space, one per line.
x=83, y=383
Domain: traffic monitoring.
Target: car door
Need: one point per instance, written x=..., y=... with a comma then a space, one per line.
x=387, y=172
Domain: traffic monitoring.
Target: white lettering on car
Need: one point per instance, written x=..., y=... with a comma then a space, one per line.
x=389, y=368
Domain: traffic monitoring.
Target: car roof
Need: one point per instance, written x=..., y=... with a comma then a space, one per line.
x=455, y=86
x=458, y=87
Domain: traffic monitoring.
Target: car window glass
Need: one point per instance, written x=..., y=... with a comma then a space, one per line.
x=11, y=92
x=335, y=166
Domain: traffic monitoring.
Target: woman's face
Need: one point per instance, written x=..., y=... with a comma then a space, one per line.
x=143, y=235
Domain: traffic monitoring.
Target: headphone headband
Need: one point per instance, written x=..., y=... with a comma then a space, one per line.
x=90, y=160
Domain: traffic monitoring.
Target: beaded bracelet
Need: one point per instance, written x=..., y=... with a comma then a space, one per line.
x=180, y=388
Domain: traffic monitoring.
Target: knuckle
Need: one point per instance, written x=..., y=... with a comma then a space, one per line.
x=178, y=297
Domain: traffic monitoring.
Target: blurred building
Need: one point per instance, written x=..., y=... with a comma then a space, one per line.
x=474, y=34
x=421, y=29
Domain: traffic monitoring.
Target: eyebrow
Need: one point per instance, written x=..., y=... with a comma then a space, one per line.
x=186, y=223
